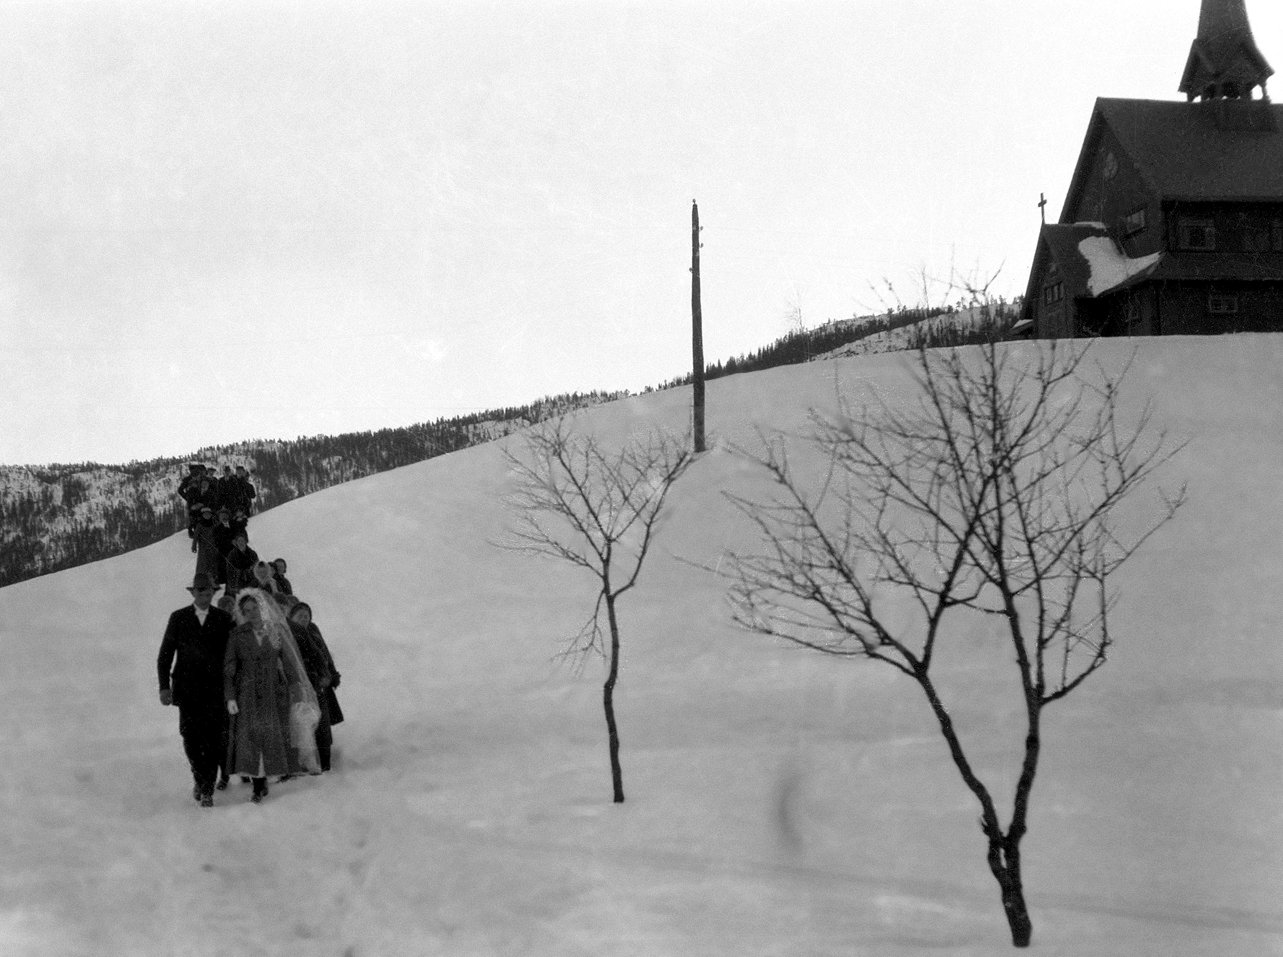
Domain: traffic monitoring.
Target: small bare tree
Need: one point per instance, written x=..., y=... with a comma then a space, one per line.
x=993, y=496
x=600, y=511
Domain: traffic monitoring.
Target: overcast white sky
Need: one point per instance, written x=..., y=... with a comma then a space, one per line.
x=225, y=221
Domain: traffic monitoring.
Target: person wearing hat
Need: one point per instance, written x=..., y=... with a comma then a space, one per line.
x=228, y=488
x=223, y=535
x=190, y=670
x=187, y=489
x=207, y=557
x=245, y=491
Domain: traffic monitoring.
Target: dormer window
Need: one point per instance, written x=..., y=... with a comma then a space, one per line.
x=1198, y=235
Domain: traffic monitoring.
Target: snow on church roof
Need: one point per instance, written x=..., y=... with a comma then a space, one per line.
x=1109, y=266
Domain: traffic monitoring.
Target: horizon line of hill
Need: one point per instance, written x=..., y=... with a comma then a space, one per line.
x=58, y=516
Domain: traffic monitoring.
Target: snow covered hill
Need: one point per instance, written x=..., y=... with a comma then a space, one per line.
x=778, y=802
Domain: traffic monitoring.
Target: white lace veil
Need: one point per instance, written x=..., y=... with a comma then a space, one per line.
x=305, y=713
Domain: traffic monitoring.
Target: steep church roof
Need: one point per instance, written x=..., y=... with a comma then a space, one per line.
x=1224, y=61
x=1221, y=150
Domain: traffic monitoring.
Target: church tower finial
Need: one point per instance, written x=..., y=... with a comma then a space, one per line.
x=1224, y=62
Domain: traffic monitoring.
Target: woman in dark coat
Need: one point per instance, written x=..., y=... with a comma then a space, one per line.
x=207, y=557
x=239, y=563
x=272, y=706
x=323, y=675
x=278, y=575
x=223, y=535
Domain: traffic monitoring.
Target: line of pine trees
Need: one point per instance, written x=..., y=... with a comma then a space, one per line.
x=59, y=516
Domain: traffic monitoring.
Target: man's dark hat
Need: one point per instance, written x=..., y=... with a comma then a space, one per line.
x=202, y=580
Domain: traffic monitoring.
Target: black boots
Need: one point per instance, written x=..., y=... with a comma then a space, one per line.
x=260, y=790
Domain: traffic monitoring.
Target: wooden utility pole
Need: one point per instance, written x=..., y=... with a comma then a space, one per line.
x=697, y=334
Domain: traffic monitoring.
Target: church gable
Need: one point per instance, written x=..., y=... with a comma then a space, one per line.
x=1110, y=187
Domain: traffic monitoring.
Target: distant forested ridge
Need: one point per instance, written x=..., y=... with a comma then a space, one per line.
x=58, y=516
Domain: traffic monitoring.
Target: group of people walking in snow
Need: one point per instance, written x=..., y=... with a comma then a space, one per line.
x=218, y=524
x=253, y=680
x=204, y=491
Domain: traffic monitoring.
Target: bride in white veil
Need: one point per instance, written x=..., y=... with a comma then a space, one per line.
x=269, y=625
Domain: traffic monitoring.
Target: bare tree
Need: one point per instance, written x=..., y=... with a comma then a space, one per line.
x=600, y=511
x=994, y=496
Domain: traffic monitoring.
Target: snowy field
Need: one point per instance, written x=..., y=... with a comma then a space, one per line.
x=779, y=803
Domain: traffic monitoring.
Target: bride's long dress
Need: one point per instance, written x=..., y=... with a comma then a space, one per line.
x=274, y=730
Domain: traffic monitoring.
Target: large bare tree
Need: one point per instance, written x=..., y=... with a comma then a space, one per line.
x=994, y=496
x=599, y=510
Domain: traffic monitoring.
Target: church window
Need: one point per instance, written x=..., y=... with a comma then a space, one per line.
x=1197, y=234
x=1219, y=304
x=1134, y=222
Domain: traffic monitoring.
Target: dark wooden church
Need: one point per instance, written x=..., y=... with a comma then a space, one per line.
x=1173, y=222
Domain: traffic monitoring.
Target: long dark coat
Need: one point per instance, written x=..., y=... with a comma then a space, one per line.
x=229, y=492
x=334, y=714
x=240, y=569
x=254, y=677
x=190, y=665
x=205, y=493
x=316, y=662
x=207, y=558
x=223, y=535
x=196, y=679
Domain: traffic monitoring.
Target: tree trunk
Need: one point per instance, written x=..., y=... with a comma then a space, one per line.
x=608, y=701
x=1004, y=849
x=1004, y=862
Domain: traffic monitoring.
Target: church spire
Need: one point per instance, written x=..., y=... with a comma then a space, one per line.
x=1224, y=62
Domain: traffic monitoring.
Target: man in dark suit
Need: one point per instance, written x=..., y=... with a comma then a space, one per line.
x=197, y=637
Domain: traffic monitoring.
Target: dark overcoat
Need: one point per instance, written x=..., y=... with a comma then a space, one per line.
x=190, y=663
x=208, y=561
x=316, y=662
x=334, y=714
x=240, y=569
